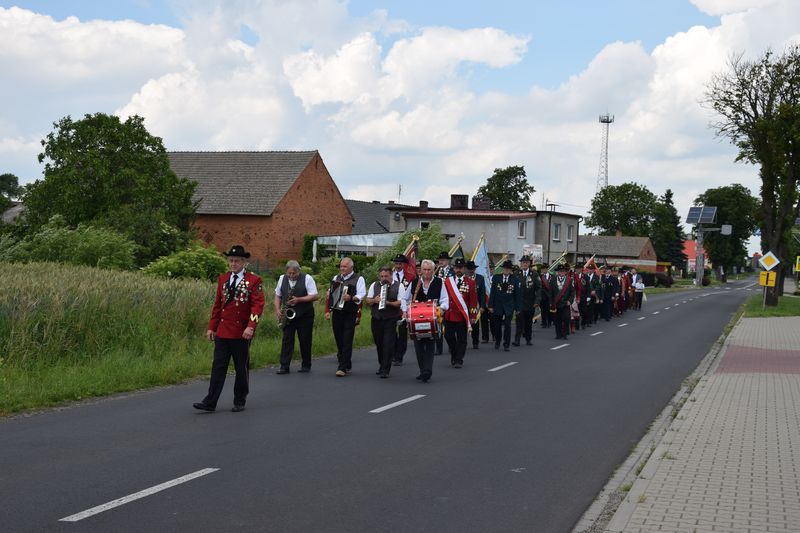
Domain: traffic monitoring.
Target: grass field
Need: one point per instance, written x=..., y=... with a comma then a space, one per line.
x=68, y=333
x=787, y=306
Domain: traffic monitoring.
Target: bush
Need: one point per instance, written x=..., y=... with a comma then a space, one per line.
x=84, y=245
x=196, y=262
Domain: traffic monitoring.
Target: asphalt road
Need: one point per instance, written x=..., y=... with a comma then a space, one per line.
x=523, y=448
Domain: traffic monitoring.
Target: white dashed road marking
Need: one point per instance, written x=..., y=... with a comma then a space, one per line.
x=395, y=404
x=501, y=367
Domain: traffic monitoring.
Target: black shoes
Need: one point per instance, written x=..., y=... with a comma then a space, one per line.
x=515, y=343
x=506, y=349
x=203, y=406
x=418, y=378
x=304, y=370
x=237, y=408
x=282, y=371
x=457, y=365
x=496, y=346
x=528, y=343
x=384, y=375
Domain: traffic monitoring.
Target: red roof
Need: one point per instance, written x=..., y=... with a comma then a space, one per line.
x=688, y=249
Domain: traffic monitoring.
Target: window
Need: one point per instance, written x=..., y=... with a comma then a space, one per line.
x=556, y=232
x=522, y=229
x=424, y=224
x=570, y=231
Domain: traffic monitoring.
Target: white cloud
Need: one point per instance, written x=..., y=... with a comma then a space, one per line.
x=724, y=7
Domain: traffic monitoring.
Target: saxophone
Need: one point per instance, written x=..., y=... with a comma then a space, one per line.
x=287, y=313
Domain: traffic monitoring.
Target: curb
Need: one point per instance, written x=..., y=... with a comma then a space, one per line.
x=613, y=507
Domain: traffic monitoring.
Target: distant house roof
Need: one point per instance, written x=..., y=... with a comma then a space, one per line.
x=370, y=217
x=466, y=213
x=611, y=246
x=240, y=183
x=10, y=215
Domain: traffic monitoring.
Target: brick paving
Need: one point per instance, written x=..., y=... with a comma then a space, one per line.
x=730, y=461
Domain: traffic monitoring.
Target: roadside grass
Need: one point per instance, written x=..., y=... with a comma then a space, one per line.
x=69, y=333
x=787, y=306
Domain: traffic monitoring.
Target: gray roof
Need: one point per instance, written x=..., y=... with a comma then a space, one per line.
x=611, y=246
x=240, y=183
x=369, y=217
x=11, y=214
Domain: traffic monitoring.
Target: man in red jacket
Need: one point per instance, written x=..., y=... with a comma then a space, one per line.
x=461, y=315
x=237, y=308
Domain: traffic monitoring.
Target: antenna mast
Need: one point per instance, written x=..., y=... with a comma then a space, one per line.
x=602, y=173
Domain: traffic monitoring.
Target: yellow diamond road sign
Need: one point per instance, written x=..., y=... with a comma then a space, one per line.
x=769, y=261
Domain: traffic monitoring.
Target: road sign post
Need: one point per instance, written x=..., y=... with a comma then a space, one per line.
x=768, y=262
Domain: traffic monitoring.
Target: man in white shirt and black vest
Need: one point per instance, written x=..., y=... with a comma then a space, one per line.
x=399, y=275
x=294, y=306
x=385, y=298
x=425, y=288
x=342, y=308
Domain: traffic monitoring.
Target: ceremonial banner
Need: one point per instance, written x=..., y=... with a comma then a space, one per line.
x=410, y=270
x=456, y=250
x=481, y=258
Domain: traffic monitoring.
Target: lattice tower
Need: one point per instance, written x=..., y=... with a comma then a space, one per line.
x=602, y=173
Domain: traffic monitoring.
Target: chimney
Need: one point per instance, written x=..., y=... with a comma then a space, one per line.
x=459, y=201
x=480, y=203
x=423, y=205
x=376, y=201
x=391, y=202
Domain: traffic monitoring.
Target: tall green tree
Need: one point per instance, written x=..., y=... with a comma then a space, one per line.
x=667, y=231
x=735, y=206
x=102, y=171
x=508, y=189
x=627, y=208
x=759, y=105
x=9, y=190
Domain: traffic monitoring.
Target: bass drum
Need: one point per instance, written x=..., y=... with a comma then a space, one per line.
x=423, y=321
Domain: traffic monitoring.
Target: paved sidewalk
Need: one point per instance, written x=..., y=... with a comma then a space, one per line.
x=730, y=461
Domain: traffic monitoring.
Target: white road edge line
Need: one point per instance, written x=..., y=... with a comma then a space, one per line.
x=622, y=325
x=595, y=334
x=656, y=312
x=666, y=308
x=501, y=367
x=395, y=404
x=136, y=496
x=559, y=346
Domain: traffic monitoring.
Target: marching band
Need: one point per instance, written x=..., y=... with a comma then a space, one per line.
x=432, y=304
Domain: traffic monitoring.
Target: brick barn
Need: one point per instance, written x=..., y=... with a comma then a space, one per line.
x=266, y=201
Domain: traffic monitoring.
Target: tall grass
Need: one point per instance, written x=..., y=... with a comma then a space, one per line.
x=70, y=332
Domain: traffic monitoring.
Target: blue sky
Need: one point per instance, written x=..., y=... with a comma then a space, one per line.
x=431, y=95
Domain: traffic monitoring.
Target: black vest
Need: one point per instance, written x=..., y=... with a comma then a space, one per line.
x=351, y=286
x=391, y=296
x=434, y=290
x=299, y=290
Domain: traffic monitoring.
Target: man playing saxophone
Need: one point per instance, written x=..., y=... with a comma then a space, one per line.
x=294, y=306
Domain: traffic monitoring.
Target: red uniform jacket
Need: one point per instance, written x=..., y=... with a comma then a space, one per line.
x=232, y=313
x=470, y=295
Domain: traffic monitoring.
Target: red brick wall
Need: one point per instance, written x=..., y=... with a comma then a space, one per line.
x=648, y=252
x=312, y=205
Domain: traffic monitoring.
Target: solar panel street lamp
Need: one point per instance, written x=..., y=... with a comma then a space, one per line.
x=699, y=215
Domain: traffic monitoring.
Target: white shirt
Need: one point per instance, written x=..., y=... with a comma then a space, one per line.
x=401, y=293
x=239, y=277
x=444, y=299
x=311, y=286
x=361, y=287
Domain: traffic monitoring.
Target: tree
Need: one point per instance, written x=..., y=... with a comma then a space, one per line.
x=759, y=105
x=508, y=189
x=735, y=206
x=667, y=232
x=105, y=172
x=9, y=190
x=627, y=208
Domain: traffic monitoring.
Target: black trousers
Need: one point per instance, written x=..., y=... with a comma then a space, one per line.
x=384, y=333
x=639, y=300
x=480, y=329
x=401, y=345
x=586, y=311
x=502, y=330
x=607, y=308
x=546, y=318
x=303, y=326
x=456, y=333
x=224, y=350
x=597, y=308
x=439, y=345
x=561, y=320
x=344, y=328
x=424, y=349
x=524, y=325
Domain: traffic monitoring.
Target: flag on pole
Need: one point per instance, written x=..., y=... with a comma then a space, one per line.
x=481, y=259
x=498, y=269
x=410, y=270
x=456, y=250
